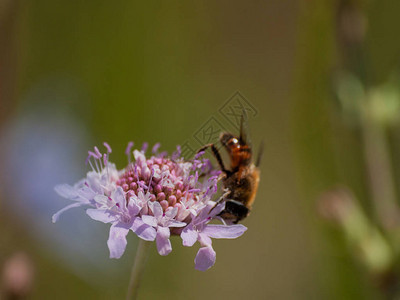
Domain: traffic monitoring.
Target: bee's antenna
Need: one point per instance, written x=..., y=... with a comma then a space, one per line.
x=216, y=155
x=260, y=154
x=243, y=136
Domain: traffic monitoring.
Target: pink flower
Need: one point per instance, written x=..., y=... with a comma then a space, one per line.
x=154, y=198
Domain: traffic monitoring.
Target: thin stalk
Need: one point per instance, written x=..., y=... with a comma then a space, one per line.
x=380, y=171
x=137, y=269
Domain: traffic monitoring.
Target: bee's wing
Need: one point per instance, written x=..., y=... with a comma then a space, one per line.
x=260, y=154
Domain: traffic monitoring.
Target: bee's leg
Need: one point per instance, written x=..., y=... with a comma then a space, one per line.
x=217, y=156
x=222, y=198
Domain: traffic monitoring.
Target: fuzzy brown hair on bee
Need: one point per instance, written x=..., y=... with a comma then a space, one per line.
x=240, y=181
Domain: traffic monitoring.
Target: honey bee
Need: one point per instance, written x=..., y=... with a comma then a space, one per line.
x=241, y=181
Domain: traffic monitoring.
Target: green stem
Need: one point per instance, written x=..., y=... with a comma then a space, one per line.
x=380, y=173
x=137, y=269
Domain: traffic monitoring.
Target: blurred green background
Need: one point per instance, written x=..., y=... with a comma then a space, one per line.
x=76, y=73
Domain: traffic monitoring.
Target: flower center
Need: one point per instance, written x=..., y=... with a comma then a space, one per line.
x=161, y=177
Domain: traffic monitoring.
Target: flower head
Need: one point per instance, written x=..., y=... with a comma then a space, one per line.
x=153, y=197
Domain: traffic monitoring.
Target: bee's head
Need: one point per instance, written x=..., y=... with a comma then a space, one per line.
x=239, y=152
x=229, y=141
x=225, y=137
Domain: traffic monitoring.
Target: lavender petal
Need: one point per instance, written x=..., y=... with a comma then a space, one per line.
x=117, y=240
x=189, y=236
x=224, y=231
x=205, y=258
x=66, y=191
x=119, y=197
x=163, y=243
x=204, y=240
x=149, y=220
x=156, y=209
x=173, y=223
x=56, y=216
x=142, y=230
x=133, y=207
x=102, y=215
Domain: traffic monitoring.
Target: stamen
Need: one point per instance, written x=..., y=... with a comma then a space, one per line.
x=176, y=154
x=128, y=151
x=95, y=158
x=151, y=178
x=205, y=195
x=91, y=154
x=109, y=150
x=142, y=185
x=212, y=178
x=188, y=179
x=155, y=148
x=94, y=155
x=105, y=159
x=144, y=147
x=100, y=159
x=207, y=166
x=196, y=178
x=199, y=154
x=196, y=164
x=87, y=159
x=91, y=165
x=99, y=155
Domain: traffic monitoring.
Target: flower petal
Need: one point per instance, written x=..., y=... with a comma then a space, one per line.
x=66, y=191
x=163, y=243
x=170, y=214
x=102, y=215
x=217, y=208
x=142, y=230
x=173, y=223
x=86, y=193
x=117, y=240
x=205, y=212
x=224, y=231
x=133, y=207
x=205, y=258
x=101, y=201
x=56, y=216
x=94, y=182
x=149, y=220
x=204, y=240
x=156, y=209
x=119, y=197
x=189, y=236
